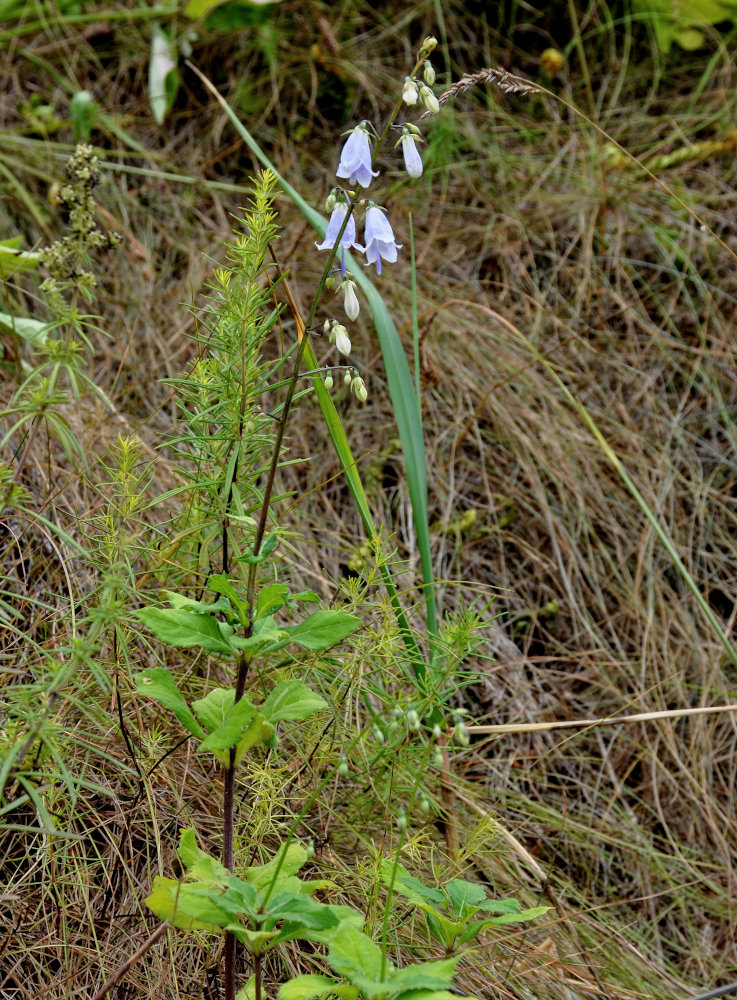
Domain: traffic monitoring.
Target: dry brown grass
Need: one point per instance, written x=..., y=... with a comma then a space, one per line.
x=523, y=228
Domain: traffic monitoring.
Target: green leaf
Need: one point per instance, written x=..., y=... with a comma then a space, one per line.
x=441, y=927
x=163, y=76
x=222, y=585
x=465, y=896
x=431, y=995
x=408, y=886
x=291, y=700
x=287, y=861
x=185, y=629
x=271, y=599
x=265, y=633
x=247, y=992
x=180, y=601
x=264, y=552
x=13, y=260
x=516, y=918
x=199, y=864
x=30, y=330
x=303, y=910
x=426, y=976
x=313, y=987
x=500, y=906
x=323, y=629
x=158, y=683
x=354, y=955
x=183, y=906
x=226, y=721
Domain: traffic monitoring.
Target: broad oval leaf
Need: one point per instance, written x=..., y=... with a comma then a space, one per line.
x=185, y=629
x=323, y=629
x=291, y=700
x=158, y=683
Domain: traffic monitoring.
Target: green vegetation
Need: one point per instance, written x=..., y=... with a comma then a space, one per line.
x=389, y=657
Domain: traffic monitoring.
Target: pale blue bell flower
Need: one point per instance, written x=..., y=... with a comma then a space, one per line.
x=347, y=240
x=380, y=242
x=355, y=158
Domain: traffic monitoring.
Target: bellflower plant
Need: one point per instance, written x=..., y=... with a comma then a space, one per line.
x=410, y=91
x=379, y=236
x=355, y=158
x=347, y=240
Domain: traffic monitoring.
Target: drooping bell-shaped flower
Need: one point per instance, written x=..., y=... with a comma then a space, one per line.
x=347, y=240
x=380, y=242
x=412, y=158
x=355, y=158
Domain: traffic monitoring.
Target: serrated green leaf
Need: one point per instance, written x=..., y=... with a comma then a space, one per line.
x=199, y=864
x=222, y=585
x=464, y=896
x=271, y=599
x=291, y=700
x=425, y=976
x=247, y=992
x=287, y=861
x=442, y=928
x=296, y=908
x=179, y=904
x=500, y=906
x=516, y=918
x=354, y=955
x=226, y=721
x=186, y=629
x=323, y=629
x=158, y=683
x=408, y=886
x=314, y=987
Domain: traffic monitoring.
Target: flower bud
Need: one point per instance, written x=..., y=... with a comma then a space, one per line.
x=429, y=100
x=413, y=721
x=347, y=378
x=428, y=74
x=437, y=732
x=331, y=200
x=402, y=819
x=427, y=46
x=410, y=91
x=339, y=337
x=378, y=735
x=358, y=389
x=350, y=299
x=343, y=769
x=425, y=804
x=460, y=735
x=438, y=757
x=329, y=382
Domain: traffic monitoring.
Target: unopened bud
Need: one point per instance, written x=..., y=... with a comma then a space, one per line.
x=413, y=721
x=378, y=735
x=438, y=757
x=347, y=378
x=402, y=819
x=328, y=382
x=429, y=100
x=358, y=388
x=343, y=769
x=460, y=735
x=410, y=91
x=331, y=200
x=425, y=804
x=551, y=62
x=437, y=732
x=428, y=46
x=428, y=74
